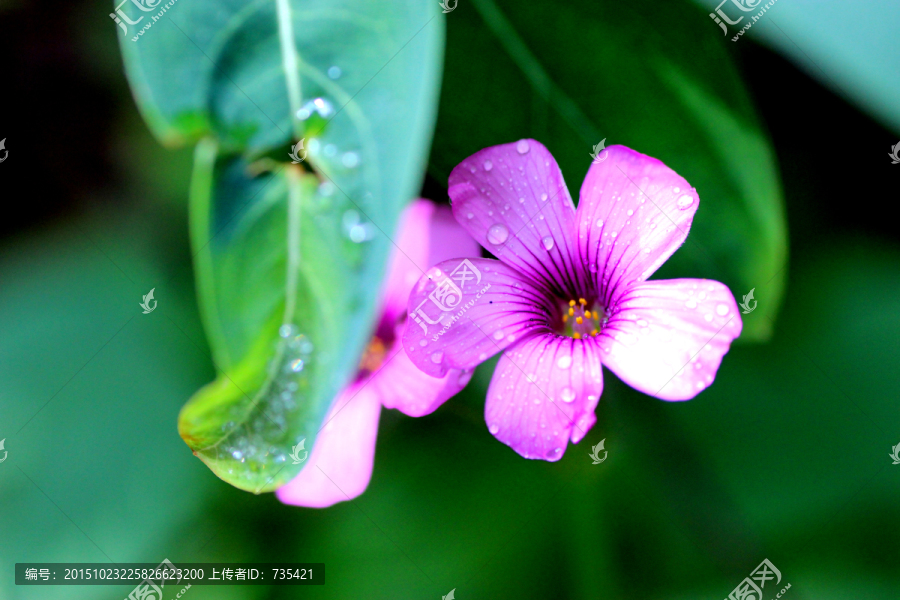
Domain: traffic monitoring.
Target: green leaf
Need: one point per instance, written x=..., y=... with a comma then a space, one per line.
x=656, y=79
x=289, y=257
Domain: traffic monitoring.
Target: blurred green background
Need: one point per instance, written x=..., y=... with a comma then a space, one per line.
x=785, y=457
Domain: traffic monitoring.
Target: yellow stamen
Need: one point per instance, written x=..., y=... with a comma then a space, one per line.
x=582, y=301
x=594, y=332
x=571, y=303
x=565, y=318
x=579, y=320
x=576, y=335
x=587, y=314
x=571, y=312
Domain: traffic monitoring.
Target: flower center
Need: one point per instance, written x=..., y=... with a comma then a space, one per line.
x=580, y=321
x=373, y=356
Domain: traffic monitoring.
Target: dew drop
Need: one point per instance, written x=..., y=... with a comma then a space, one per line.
x=286, y=330
x=630, y=212
x=521, y=200
x=543, y=197
x=721, y=310
x=551, y=454
x=423, y=343
x=685, y=202
x=237, y=454
x=437, y=357
x=488, y=165
x=599, y=223
x=523, y=147
x=567, y=394
x=497, y=234
x=350, y=159
x=334, y=72
x=297, y=365
x=676, y=189
x=494, y=429
x=691, y=303
x=564, y=362
x=469, y=215
x=547, y=242
x=498, y=335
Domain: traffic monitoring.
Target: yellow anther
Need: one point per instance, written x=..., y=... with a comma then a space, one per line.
x=571, y=303
x=582, y=301
x=594, y=332
x=587, y=314
x=571, y=311
x=576, y=335
x=565, y=318
x=579, y=320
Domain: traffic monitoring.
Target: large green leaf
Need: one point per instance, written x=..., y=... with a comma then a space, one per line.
x=288, y=257
x=654, y=77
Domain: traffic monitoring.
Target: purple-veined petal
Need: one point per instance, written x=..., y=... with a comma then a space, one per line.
x=633, y=214
x=462, y=311
x=514, y=202
x=402, y=385
x=426, y=235
x=340, y=464
x=543, y=394
x=667, y=338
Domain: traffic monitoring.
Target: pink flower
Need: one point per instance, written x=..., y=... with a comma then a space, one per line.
x=340, y=463
x=569, y=293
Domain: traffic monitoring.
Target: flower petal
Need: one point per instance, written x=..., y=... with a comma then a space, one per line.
x=340, y=463
x=401, y=385
x=667, y=338
x=543, y=394
x=514, y=202
x=426, y=235
x=633, y=214
x=409, y=257
x=463, y=311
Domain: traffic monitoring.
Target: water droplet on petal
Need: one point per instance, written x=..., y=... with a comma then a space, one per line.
x=691, y=303
x=488, y=165
x=494, y=429
x=685, y=202
x=498, y=335
x=297, y=365
x=567, y=394
x=497, y=234
x=630, y=212
x=286, y=330
x=543, y=197
x=564, y=362
x=423, y=343
x=547, y=243
x=551, y=454
x=523, y=147
x=469, y=215
x=721, y=310
x=676, y=189
x=437, y=357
